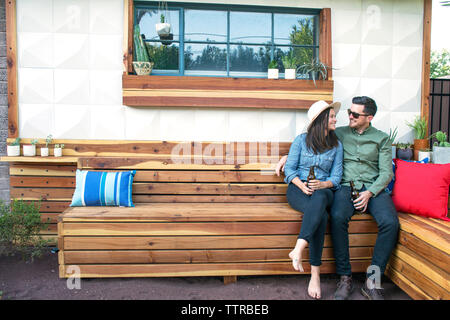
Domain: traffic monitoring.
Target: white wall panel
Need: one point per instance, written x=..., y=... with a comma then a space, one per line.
x=70, y=59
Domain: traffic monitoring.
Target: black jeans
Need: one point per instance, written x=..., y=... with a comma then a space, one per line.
x=315, y=217
x=383, y=211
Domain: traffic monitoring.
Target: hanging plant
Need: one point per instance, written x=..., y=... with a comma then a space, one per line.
x=163, y=28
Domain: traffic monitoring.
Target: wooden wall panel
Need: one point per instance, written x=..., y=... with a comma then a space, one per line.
x=11, y=64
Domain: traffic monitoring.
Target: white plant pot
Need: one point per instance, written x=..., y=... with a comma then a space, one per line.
x=425, y=154
x=272, y=73
x=290, y=73
x=44, y=152
x=57, y=152
x=441, y=155
x=13, y=151
x=162, y=29
x=394, y=152
x=29, y=150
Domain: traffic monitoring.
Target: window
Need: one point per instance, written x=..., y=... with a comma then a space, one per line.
x=227, y=41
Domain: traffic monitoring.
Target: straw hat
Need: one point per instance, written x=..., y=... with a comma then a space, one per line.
x=317, y=108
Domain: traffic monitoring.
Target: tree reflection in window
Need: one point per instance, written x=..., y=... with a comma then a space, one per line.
x=209, y=45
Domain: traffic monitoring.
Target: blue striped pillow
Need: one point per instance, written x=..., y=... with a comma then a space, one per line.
x=97, y=188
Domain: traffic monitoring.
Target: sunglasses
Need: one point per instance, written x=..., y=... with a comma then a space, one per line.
x=356, y=115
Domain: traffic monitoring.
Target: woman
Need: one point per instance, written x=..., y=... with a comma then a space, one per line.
x=318, y=148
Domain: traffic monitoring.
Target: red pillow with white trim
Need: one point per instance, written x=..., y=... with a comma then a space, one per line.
x=422, y=189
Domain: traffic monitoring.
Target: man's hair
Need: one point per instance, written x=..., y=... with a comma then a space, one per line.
x=370, y=107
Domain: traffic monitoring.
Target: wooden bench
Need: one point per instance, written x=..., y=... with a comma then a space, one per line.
x=420, y=263
x=195, y=220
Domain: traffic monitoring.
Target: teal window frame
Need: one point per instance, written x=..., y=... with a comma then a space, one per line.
x=181, y=6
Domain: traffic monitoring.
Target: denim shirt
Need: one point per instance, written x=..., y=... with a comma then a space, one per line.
x=328, y=165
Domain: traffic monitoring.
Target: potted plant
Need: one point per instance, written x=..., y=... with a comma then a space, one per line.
x=163, y=30
x=425, y=153
x=272, y=70
x=44, y=150
x=419, y=125
x=441, y=148
x=57, y=150
x=404, y=151
x=142, y=64
x=290, y=66
x=315, y=69
x=392, y=136
x=29, y=150
x=13, y=149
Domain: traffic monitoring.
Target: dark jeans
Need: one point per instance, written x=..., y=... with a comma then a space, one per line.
x=383, y=211
x=315, y=217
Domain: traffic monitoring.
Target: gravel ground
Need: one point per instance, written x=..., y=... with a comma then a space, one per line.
x=39, y=280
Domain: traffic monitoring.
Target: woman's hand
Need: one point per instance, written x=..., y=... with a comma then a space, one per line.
x=317, y=184
x=305, y=189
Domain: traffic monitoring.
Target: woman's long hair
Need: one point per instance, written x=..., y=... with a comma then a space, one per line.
x=316, y=139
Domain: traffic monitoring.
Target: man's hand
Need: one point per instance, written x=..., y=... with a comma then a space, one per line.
x=280, y=165
x=362, y=201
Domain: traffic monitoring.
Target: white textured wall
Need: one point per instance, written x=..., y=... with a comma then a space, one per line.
x=70, y=68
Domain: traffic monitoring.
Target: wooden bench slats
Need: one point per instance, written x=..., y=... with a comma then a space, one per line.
x=406, y=285
x=205, y=228
x=194, y=270
x=41, y=170
x=425, y=268
x=160, y=212
x=49, y=182
x=200, y=242
x=204, y=176
x=425, y=232
x=180, y=163
x=425, y=250
x=196, y=256
x=437, y=224
x=182, y=198
x=208, y=188
x=430, y=287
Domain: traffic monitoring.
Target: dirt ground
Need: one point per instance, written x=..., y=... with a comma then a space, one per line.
x=39, y=280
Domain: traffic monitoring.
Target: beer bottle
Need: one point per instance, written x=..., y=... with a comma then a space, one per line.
x=311, y=176
x=355, y=195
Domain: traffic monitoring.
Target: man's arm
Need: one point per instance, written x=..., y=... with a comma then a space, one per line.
x=384, y=166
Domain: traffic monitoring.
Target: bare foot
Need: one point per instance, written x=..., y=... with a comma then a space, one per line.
x=314, y=287
x=296, y=255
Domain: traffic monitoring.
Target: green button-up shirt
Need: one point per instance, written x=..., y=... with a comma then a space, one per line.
x=367, y=158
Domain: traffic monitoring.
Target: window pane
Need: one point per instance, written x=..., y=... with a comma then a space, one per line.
x=205, y=25
x=205, y=57
x=300, y=55
x=164, y=57
x=293, y=29
x=249, y=58
x=148, y=18
x=248, y=27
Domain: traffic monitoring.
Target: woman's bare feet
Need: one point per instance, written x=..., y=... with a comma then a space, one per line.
x=314, y=284
x=296, y=254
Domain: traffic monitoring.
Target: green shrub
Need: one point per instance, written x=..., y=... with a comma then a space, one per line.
x=20, y=227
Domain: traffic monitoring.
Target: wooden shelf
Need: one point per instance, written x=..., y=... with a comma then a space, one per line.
x=39, y=159
x=219, y=92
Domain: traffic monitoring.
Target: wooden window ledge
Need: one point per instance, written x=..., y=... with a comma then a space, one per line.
x=220, y=92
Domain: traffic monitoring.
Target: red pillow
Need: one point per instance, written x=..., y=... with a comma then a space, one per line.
x=422, y=188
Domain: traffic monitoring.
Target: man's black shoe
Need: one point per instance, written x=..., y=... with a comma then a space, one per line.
x=372, y=294
x=344, y=288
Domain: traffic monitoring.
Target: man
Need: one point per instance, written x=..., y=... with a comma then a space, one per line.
x=368, y=163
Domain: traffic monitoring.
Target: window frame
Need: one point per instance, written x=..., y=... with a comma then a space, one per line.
x=272, y=10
